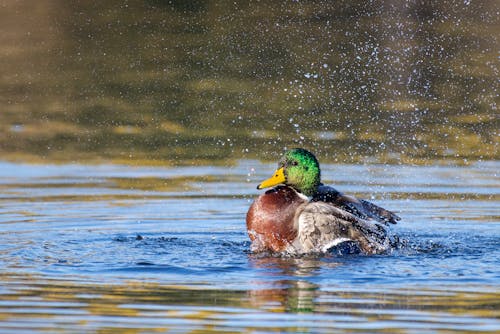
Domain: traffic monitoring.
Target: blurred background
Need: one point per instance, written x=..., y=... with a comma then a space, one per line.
x=180, y=82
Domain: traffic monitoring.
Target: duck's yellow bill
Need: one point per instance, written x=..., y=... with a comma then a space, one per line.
x=277, y=178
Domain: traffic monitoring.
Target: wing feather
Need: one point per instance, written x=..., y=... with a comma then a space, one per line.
x=322, y=225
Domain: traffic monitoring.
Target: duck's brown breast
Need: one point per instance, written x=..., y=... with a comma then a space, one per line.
x=270, y=218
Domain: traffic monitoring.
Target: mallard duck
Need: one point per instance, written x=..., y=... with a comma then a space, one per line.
x=300, y=215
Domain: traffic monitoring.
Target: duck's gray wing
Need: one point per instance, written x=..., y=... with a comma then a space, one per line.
x=322, y=226
x=358, y=207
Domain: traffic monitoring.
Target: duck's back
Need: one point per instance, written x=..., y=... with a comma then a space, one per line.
x=359, y=207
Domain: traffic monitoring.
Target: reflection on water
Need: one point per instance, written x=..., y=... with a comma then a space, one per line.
x=298, y=305
x=184, y=81
x=109, y=247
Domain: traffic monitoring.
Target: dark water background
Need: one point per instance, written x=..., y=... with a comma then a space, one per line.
x=205, y=81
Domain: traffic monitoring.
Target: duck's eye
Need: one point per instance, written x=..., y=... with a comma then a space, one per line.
x=294, y=163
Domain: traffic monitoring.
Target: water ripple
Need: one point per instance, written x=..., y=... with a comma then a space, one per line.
x=87, y=248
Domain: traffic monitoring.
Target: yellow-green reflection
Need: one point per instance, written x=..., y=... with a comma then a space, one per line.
x=203, y=81
x=153, y=306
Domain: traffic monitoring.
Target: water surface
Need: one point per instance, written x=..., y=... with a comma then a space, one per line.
x=108, y=247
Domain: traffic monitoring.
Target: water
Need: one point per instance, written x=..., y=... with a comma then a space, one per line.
x=110, y=247
x=114, y=247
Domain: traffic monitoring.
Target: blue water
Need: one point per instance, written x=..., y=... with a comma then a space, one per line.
x=103, y=247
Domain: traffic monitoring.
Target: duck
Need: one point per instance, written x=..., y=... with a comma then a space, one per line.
x=300, y=215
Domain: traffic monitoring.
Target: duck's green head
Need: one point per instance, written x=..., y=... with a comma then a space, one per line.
x=299, y=169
